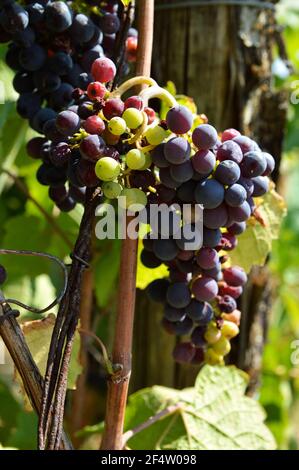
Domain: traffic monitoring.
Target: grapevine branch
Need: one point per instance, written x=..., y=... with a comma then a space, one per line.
x=118, y=384
x=14, y=340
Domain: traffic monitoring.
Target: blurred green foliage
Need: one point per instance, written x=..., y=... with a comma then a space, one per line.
x=280, y=385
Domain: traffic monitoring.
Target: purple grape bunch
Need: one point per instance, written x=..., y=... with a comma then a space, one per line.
x=224, y=175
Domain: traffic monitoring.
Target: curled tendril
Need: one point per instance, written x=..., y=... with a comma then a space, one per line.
x=42, y=255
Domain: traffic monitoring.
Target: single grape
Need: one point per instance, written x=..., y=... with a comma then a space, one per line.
x=60, y=63
x=229, y=329
x=117, y=126
x=200, y=312
x=185, y=193
x=237, y=228
x=233, y=291
x=197, y=337
x=67, y=122
x=210, y=193
x=134, y=102
x=60, y=154
x=235, y=276
x=240, y=213
x=155, y=135
x=109, y=23
x=235, y=195
x=151, y=115
x=156, y=290
x=215, y=218
x=244, y=142
x=270, y=164
x=178, y=295
x=82, y=29
x=261, y=186
x=174, y=314
x=158, y=156
x=204, y=136
x=133, y=197
x=135, y=159
x=229, y=134
x=94, y=125
x=103, y=70
x=177, y=150
x=179, y=119
x=58, y=16
x=14, y=18
x=107, y=169
x=111, y=189
x=97, y=91
x=133, y=118
x=253, y=164
x=207, y=258
x=92, y=147
x=212, y=334
x=114, y=107
x=222, y=346
x=205, y=289
x=203, y=162
x=164, y=249
x=85, y=173
x=32, y=58
x=167, y=180
x=211, y=238
x=149, y=259
x=183, y=327
x=227, y=304
x=165, y=194
x=230, y=150
x=182, y=173
x=183, y=353
x=67, y=205
x=227, y=172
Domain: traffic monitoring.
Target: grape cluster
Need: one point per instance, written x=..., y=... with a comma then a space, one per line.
x=52, y=45
x=224, y=176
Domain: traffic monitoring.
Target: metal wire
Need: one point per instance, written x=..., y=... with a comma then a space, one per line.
x=198, y=3
x=42, y=255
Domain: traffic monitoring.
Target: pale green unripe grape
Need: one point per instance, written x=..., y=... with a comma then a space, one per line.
x=117, y=126
x=155, y=135
x=133, y=117
x=135, y=159
x=107, y=169
x=222, y=347
x=133, y=196
x=148, y=161
x=111, y=189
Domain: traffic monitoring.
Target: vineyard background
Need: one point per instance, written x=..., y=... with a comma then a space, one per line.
x=24, y=226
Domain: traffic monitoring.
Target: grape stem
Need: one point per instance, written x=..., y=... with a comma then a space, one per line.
x=132, y=82
x=156, y=91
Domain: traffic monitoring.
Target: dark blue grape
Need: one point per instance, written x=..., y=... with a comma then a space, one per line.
x=41, y=117
x=149, y=259
x=204, y=137
x=183, y=327
x=227, y=172
x=211, y=238
x=174, y=314
x=210, y=193
x=28, y=104
x=183, y=172
x=23, y=82
x=62, y=97
x=253, y=164
x=32, y=58
x=58, y=16
x=13, y=18
x=60, y=63
x=235, y=195
x=165, y=249
x=158, y=157
x=178, y=295
x=261, y=186
x=177, y=150
x=156, y=290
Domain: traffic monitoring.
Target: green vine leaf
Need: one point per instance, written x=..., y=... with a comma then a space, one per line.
x=214, y=414
x=255, y=243
x=38, y=336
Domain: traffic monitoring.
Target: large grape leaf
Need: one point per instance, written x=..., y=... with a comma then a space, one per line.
x=214, y=414
x=38, y=336
x=255, y=243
